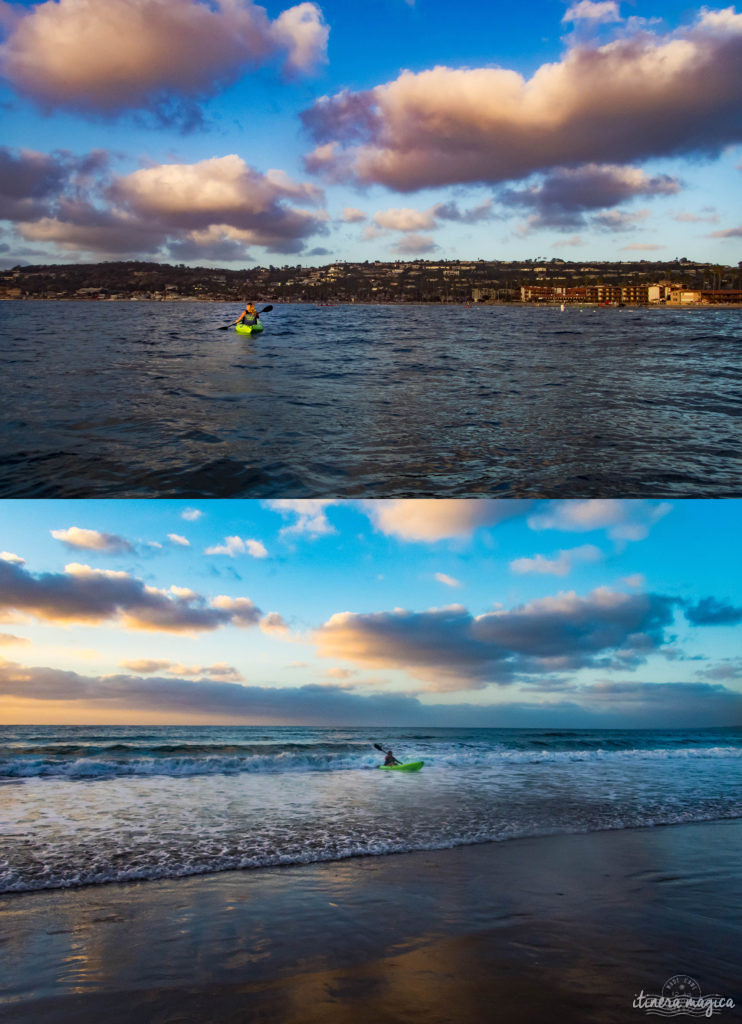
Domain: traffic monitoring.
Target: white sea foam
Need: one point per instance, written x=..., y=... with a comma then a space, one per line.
x=115, y=805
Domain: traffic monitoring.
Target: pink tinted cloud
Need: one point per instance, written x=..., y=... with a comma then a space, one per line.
x=641, y=95
x=352, y=215
x=408, y=219
x=414, y=245
x=210, y=209
x=405, y=219
x=106, y=57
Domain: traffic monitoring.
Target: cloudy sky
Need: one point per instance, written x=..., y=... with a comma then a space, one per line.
x=396, y=612
x=231, y=133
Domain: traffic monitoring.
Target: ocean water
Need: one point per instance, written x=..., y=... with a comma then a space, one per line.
x=151, y=400
x=89, y=805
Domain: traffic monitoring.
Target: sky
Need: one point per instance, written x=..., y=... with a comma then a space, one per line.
x=460, y=612
x=226, y=133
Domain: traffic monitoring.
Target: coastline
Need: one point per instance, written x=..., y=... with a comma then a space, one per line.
x=310, y=304
x=537, y=929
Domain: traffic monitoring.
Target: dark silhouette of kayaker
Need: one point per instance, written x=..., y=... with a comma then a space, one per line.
x=248, y=316
x=390, y=759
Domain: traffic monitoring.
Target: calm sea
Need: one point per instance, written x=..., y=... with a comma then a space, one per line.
x=150, y=400
x=87, y=805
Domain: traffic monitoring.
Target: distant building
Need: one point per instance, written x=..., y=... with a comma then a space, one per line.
x=658, y=292
x=635, y=293
x=722, y=295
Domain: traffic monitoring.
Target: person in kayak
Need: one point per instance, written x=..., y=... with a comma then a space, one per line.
x=248, y=316
x=390, y=759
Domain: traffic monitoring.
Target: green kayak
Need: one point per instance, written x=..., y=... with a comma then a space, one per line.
x=413, y=766
x=249, y=328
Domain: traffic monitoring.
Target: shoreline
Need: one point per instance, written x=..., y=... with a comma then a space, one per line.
x=514, y=304
x=560, y=925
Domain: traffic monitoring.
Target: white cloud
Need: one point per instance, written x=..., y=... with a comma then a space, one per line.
x=590, y=10
x=191, y=514
x=91, y=540
x=177, y=538
x=273, y=624
x=449, y=581
x=433, y=519
x=623, y=519
x=560, y=565
x=304, y=34
x=90, y=596
x=8, y=556
x=242, y=611
x=310, y=515
x=635, y=580
x=234, y=546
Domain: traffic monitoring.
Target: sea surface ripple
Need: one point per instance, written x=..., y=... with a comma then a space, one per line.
x=139, y=399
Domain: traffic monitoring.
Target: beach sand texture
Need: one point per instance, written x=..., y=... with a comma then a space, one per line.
x=540, y=929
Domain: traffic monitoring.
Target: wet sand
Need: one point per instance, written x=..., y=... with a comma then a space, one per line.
x=542, y=929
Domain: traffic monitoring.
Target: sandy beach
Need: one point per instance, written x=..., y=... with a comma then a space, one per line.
x=555, y=927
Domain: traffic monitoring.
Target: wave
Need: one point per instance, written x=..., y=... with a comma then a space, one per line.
x=86, y=749
x=121, y=760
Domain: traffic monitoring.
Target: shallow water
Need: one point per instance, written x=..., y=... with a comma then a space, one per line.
x=150, y=400
x=100, y=804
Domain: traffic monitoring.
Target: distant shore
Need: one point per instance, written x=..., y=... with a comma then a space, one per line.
x=512, y=304
x=558, y=927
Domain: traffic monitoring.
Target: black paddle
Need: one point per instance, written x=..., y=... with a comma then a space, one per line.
x=379, y=747
x=265, y=309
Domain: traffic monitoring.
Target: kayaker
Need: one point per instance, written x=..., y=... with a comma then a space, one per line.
x=248, y=316
x=390, y=759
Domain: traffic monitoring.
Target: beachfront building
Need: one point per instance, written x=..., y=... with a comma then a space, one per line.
x=634, y=294
x=592, y=293
x=707, y=297
x=719, y=296
x=659, y=292
x=541, y=293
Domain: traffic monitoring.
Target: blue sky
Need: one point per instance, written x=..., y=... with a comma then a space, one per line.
x=590, y=130
x=589, y=612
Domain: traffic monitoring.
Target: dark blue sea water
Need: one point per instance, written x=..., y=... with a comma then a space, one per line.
x=149, y=399
x=86, y=805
